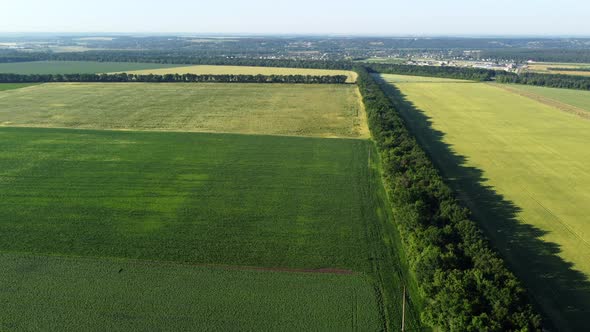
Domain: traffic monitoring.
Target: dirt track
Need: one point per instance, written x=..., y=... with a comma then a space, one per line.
x=547, y=101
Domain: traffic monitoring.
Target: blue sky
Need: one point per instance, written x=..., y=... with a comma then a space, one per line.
x=387, y=17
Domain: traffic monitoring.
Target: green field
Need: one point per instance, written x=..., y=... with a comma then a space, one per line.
x=521, y=166
x=577, y=98
x=75, y=67
x=244, y=70
x=197, y=198
x=12, y=86
x=277, y=109
x=208, y=198
x=180, y=196
x=394, y=78
x=52, y=293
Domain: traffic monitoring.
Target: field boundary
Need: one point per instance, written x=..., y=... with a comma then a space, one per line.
x=430, y=82
x=364, y=131
x=126, y=130
x=546, y=101
x=148, y=262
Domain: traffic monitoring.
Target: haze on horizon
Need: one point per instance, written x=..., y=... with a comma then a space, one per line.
x=374, y=17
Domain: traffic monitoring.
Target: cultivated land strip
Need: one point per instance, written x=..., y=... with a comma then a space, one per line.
x=244, y=70
x=394, y=78
x=271, y=109
x=547, y=101
x=545, y=68
x=12, y=86
x=116, y=294
x=274, y=203
x=213, y=190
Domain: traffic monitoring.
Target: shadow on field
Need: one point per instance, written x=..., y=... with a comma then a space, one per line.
x=559, y=291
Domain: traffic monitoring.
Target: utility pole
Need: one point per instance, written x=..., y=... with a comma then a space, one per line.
x=404, y=310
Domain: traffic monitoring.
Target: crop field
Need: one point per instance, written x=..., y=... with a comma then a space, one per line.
x=277, y=109
x=549, y=68
x=12, y=86
x=243, y=70
x=197, y=184
x=195, y=193
x=199, y=198
x=55, y=293
x=521, y=166
x=386, y=60
x=75, y=67
x=554, y=96
x=394, y=78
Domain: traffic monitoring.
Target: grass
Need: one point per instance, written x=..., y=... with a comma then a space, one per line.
x=388, y=259
x=12, y=86
x=576, y=98
x=138, y=295
x=220, y=199
x=521, y=166
x=245, y=70
x=394, y=78
x=75, y=67
x=277, y=109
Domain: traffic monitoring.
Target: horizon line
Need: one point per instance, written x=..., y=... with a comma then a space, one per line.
x=294, y=34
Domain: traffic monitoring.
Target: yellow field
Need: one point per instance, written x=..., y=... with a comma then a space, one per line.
x=543, y=67
x=522, y=167
x=244, y=70
x=319, y=110
x=568, y=100
x=394, y=78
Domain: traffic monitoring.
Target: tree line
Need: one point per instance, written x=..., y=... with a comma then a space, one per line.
x=547, y=80
x=174, y=57
x=466, y=285
x=556, y=54
x=472, y=74
x=176, y=78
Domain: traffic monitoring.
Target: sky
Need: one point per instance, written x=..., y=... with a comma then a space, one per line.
x=358, y=17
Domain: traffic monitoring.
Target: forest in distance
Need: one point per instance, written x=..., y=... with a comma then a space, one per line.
x=476, y=74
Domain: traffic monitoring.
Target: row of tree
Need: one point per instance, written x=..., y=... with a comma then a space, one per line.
x=177, y=57
x=466, y=285
x=547, y=80
x=297, y=79
x=553, y=54
x=472, y=74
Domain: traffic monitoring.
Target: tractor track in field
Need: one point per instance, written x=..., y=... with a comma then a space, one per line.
x=184, y=264
x=567, y=227
x=291, y=270
x=547, y=101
